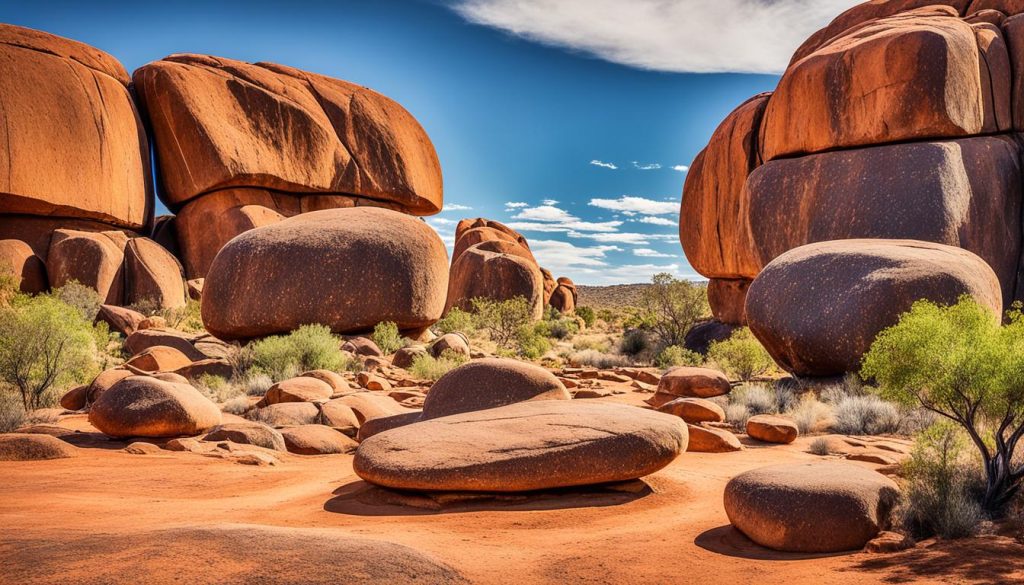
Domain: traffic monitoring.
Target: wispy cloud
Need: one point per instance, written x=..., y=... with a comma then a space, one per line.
x=634, y=204
x=649, y=253
x=681, y=168
x=568, y=227
x=565, y=257
x=455, y=207
x=684, y=36
x=607, y=165
x=630, y=273
x=516, y=204
x=646, y=166
x=630, y=238
x=652, y=220
x=549, y=202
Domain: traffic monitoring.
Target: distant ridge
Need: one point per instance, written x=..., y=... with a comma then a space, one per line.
x=615, y=296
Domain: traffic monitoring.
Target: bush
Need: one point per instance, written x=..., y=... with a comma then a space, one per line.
x=502, y=319
x=819, y=446
x=598, y=359
x=455, y=321
x=938, y=499
x=757, y=398
x=741, y=356
x=387, y=337
x=634, y=342
x=671, y=306
x=425, y=367
x=12, y=412
x=218, y=389
x=83, y=298
x=239, y=405
x=188, y=318
x=310, y=347
x=561, y=328
x=737, y=414
x=256, y=384
x=45, y=345
x=677, y=355
x=866, y=415
x=810, y=414
x=531, y=341
x=587, y=314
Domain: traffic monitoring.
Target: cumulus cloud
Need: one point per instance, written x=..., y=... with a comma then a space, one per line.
x=456, y=207
x=575, y=226
x=607, y=165
x=684, y=36
x=649, y=253
x=566, y=258
x=631, y=273
x=650, y=219
x=516, y=204
x=545, y=213
x=617, y=237
x=681, y=168
x=629, y=203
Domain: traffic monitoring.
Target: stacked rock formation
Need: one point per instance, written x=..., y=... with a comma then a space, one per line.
x=899, y=120
x=75, y=179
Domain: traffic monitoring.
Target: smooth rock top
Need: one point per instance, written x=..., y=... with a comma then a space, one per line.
x=263, y=125
x=525, y=446
x=811, y=507
x=490, y=383
x=349, y=269
x=141, y=406
x=694, y=382
x=33, y=447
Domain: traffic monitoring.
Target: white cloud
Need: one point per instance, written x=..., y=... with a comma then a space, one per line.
x=545, y=213
x=630, y=273
x=681, y=168
x=637, y=205
x=456, y=207
x=565, y=257
x=649, y=253
x=656, y=220
x=566, y=226
x=549, y=202
x=646, y=166
x=607, y=165
x=747, y=36
x=630, y=238
x=440, y=221
x=516, y=204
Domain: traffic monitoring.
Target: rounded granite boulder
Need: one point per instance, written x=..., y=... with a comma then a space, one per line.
x=142, y=406
x=346, y=268
x=490, y=383
x=524, y=446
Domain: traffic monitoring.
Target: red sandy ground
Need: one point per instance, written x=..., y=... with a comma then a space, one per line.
x=111, y=517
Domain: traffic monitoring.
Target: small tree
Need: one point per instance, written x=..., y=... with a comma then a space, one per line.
x=960, y=363
x=503, y=320
x=741, y=356
x=673, y=306
x=387, y=337
x=44, y=344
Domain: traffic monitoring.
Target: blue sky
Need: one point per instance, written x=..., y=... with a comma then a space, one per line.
x=571, y=120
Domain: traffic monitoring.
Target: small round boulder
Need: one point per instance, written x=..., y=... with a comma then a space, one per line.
x=817, y=507
x=490, y=383
x=142, y=406
x=772, y=429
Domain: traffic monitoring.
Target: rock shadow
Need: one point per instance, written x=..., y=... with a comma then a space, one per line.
x=360, y=498
x=726, y=540
x=986, y=560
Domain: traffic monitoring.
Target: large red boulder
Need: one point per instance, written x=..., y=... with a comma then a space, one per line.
x=348, y=269
x=818, y=308
x=92, y=259
x=19, y=261
x=152, y=274
x=141, y=406
x=498, y=270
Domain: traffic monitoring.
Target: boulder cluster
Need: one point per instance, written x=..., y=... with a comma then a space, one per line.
x=491, y=260
x=886, y=167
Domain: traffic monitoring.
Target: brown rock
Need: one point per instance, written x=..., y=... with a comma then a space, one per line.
x=248, y=433
x=19, y=260
x=120, y=319
x=92, y=259
x=372, y=382
x=818, y=308
x=495, y=270
x=286, y=414
x=144, y=339
x=368, y=406
x=405, y=356
x=76, y=147
x=563, y=300
x=152, y=273
x=700, y=337
x=33, y=447
x=490, y=383
x=922, y=74
x=317, y=440
x=889, y=542
x=208, y=367
x=362, y=346
x=386, y=423
x=142, y=448
x=690, y=383
x=450, y=342
x=159, y=358
x=75, y=399
x=194, y=287
x=104, y=381
x=549, y=284
x=332, y=379
x=339, y=416
x=709, y=440
x=694, y=410
x=153, y=322
x=772, y=429
x=301, y=389
x=471, y=237
x=810, y=507
x=373, y=265
x=727, y=299
x=141, y=406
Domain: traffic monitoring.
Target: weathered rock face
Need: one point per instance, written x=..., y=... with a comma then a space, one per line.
x=19, y=261
x=490, y=383
x=33, y=447
x=525, y=446
x=346, y=268
x=316, y=440
x=565, y=296
x=499, y=270
x=93, y=259
x=141, y=406
x=689, y=382
x=152, y=273
x=811, y=507
x=818, y=308
x=75, y=145
x=331, y=144
x=772, y=429
x=727, y=298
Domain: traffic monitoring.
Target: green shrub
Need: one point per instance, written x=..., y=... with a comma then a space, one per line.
x=741, y=356
x=310, y=347
x=677, y=355
x=532, y=341
x=387, y=337
x=960, y=363
x=598, y=359
x=502, y=320
x=608, y=316
x=455, y=321
x=188, y=318
x=588, y=315
x=866, y=415
x=938, y=497
x=46, y=345
x=83, y=298
x=12, y=411
x=671, y=306
x=425, y=367
x=634, y=342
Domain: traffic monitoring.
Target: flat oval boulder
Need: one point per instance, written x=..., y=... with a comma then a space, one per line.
x=349, y=269
x=141, y=406
x=286, y=414
x=690, y=382
x=524, y=446
x=811, y=507
x=772, y=429
x=316, y=440
x=159, y=358
x=818, y=308
x=33, y=447
x=694, y=410
x=300, y=389
x=490, y=383
x=248, y=433
x=710, y=440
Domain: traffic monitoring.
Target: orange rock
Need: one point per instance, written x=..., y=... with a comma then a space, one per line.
x=692, y=383
x=474, y=236
x=563, y=299
x=490, y=383
x=301, y=389
x=316, y=440
x=120, y=319
x=372, y=265
x=152, y=273
x=372, y=382
x=93, y=259
x=727, y=299
x=368, y=406
x=76, y=398
x=104, y=381
x=248, y=433
x=19, y=261
x=141, y=406
x=709, y=440
x=287, y=414
x=772, y=429
x=76, y=147
x=33, y=447
x=362, y=346
x=386, y=423
x=159, y=358
x=332, y=379
x=496, y=270
x=549, y=284
x=456, y=343
x=694, y=410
